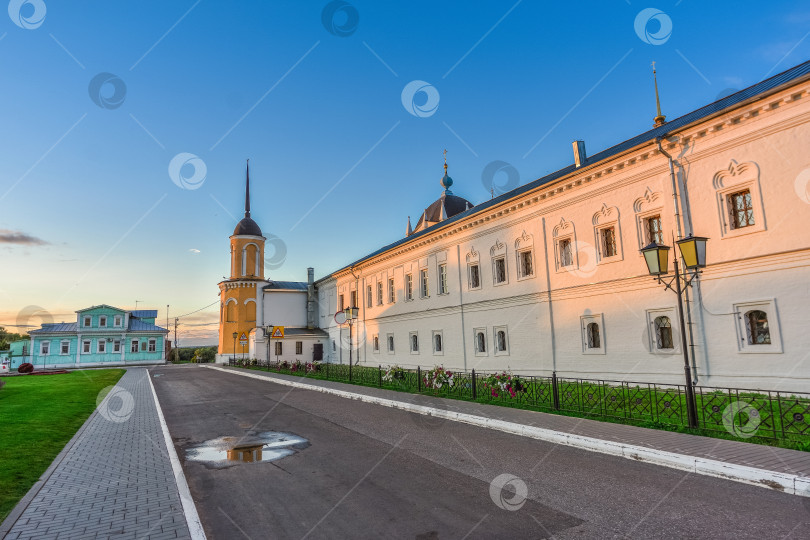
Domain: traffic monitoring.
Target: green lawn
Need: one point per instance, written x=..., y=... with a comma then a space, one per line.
x=38, y=416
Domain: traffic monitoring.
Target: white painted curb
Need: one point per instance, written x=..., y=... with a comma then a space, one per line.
x=788, y=483
x=189, y=509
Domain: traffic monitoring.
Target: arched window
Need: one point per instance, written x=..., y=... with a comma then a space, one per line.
x=438, y=342
x=391, y=343
x=663, y=333
x=414, y=343
x=376, y=343
x=251, y=311
x=230, y=311
x=500, y=341
x=594, y=341
x=756, y=323
x=480, y=342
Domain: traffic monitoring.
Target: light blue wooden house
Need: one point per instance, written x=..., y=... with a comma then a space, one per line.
x=101, y=336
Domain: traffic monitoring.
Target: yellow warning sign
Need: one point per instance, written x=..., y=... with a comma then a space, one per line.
x=243, y=337
x=278, y=332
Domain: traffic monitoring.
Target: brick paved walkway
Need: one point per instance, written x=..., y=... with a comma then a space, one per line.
x=116, y=481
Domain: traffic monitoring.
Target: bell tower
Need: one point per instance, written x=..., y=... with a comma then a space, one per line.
x=241, y=295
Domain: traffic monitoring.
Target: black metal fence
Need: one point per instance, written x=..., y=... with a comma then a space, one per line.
x=740, y=412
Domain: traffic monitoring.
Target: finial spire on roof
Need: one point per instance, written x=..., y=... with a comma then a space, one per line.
x=247, y=190
x=446, y=181
x=443, y=213
x=410, y=229
x=660, y=119
x=445, y=161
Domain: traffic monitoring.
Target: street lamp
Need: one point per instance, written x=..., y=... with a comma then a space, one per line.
x=235, y=335
x=351, y=315
x=693, y=251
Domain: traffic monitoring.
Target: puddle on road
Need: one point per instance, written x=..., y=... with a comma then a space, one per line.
x=252, y=448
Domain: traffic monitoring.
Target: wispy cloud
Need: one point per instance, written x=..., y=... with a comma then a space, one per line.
x=194, y=250
x=20, y=238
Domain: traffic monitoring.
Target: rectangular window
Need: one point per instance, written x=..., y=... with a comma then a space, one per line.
x=379, y=293
x=278, y=348
x=117, y=320
x=117, y=346
x=368, y=296
x=442, y=279
x=65, y=347
x=390, y=343
x=44, y=348
x=425, y=283
x=354, y=299
x=414, y=339
x=392, y=292
x=608, y=235
x=88, y=321
x=152, y=345
x=526, y=268
x=741, y=209
x=102, y=322
x=475, y=276
x=653, y=229
x=566, y=253
x=341, y=303
x=86, y=346
x=409, y=286
x=299, y=347
x=500, y=270
x=102, y=346
x=133, y=347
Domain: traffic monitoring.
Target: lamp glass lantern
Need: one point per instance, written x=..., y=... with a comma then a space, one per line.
x=235, y=335
x=351, y=312
x=657, y=258
x=693, y=251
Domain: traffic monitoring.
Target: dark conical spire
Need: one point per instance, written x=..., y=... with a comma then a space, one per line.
x=247, y=190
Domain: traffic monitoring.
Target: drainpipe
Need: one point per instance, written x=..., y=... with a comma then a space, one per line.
x=461, y=307
x=360, y=303
x=680, y=236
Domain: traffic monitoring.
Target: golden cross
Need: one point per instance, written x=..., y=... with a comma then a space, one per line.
x=445, y=156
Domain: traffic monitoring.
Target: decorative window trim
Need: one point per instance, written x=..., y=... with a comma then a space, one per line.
x=134, y=344
x=525, y=244
x=605, y=218
x=584, y=321
x=375, y=343
x=496, y=345
x=498, y=252
x=116, y=345
x=87, y=321
x=738, y=177
x=769, y=307
x=236, y=309
x=87, y=346
x=565, y=230
x=45, y=348
x=61, y=346
x=469, y=276
x=151, y=345
x=389, y=343
x=440, y=334
x=118, y=321
x=102, y=319
x=478, y=351
x=649, y=204
x=101, y=346
x=652, y=342
x=411, y=336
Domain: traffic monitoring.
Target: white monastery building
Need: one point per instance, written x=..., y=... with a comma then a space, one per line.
x=549, y=276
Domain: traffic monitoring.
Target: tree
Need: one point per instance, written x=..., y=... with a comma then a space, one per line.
x=7, y=337
x=205, y=354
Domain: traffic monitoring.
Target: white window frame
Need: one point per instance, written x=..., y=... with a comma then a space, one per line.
x=599, y=234
x=87, y=321
x=102, y=321
x=479, y=352
x=101, y=346
x=392, y=291
x=496, y=350
x=118, y=321
x=411, y=336
x=469, y=276
x=62, y=346
x=389, y=343
x=520, y=266
x=151, y=345
x=86, y=346
x=379, y=292
x=769, y=307
x=652, y=341
x=641, y=224
x=440, y=334
x=409, y=287
x=370, y=296
x=584, y=321
x=137, y=346
x=738, y=177
x=299, y=346
x=558, y=251
x=442, y=279
x=495, y=281
x=116, y=345
x=45, y=348
x=424, y=283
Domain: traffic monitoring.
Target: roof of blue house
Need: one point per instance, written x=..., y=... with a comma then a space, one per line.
x=52, y=328
x=135, y=325
x=755, y=91
x=144, y=313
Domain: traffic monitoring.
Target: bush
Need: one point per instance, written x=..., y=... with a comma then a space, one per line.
x=26, y=368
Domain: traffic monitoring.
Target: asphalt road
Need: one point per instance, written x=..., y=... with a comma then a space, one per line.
x=375, y=472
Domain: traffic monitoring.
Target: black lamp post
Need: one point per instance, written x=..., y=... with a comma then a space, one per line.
x=235, y=335
x=351, y=316
x=693, y=252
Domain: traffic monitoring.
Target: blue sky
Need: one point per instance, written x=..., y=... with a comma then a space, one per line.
x=89, y=213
